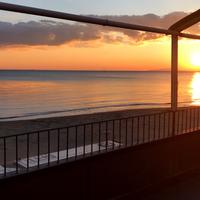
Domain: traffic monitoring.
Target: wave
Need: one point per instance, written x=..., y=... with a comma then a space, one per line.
x=27, y=115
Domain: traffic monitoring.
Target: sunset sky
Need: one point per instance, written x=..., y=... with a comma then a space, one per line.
x=29, y=42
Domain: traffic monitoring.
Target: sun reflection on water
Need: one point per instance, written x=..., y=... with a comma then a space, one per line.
x=195, y=89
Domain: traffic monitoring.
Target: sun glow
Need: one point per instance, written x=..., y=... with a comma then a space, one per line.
x=195, y=89
x=195, y=60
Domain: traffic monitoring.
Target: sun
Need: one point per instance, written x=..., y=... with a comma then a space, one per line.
x=195, y=60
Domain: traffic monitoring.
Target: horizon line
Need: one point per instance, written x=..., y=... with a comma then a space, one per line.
x=87, y=70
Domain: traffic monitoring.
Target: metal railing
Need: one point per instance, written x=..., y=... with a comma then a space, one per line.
x=23, y=153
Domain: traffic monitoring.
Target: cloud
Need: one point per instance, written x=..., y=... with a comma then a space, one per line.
x=43, y=33
x=46, y=32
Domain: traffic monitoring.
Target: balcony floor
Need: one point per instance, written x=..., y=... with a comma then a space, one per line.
x=183, y=188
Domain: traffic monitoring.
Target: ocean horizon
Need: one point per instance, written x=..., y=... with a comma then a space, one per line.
x=30, y=94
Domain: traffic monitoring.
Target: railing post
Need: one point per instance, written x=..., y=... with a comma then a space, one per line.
x=174, y=79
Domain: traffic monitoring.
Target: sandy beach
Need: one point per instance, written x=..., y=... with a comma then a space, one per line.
x=25, y=126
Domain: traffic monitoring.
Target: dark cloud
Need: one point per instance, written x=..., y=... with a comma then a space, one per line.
x=46, y=32
x=43, y=33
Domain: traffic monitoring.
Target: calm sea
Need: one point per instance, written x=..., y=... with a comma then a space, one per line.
x=36, y=94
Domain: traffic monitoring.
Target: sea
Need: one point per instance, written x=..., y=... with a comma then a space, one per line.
x=40, y=94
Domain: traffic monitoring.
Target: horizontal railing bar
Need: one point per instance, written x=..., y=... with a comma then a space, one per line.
x=79, y=18
x=90, y=20
x=189, y=36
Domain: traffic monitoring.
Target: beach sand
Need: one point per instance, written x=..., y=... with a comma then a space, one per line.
x=25, y=126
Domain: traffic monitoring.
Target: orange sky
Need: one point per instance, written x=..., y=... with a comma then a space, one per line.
x=97, y=55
